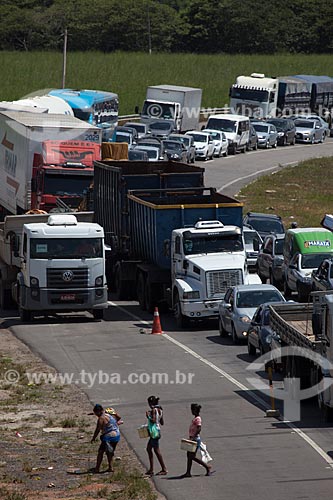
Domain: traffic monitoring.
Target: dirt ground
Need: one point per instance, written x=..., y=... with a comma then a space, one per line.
x=46, y=430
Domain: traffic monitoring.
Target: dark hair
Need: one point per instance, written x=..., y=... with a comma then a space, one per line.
x=195, y=408
x=153, y=400
x=98, y=408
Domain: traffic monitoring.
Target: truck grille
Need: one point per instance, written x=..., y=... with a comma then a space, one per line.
x=67, y=278
x=219, y=281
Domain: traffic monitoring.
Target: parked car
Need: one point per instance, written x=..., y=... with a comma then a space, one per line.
x=253, y=139
x=252, y=243
x=260, y=334
x=286, y=130
x=161, y=129
x=309, y=131
x=141, y=128
x=137, y=154
x=270, y=260
x=204, y=144
x=264, y=224
x=239, y=305
x=317, y=118
x=220, y=142
x=120, y=136
x=175, y=150
x=153, y=152
x=188, y=142
x=322, y=278
x=267, y=134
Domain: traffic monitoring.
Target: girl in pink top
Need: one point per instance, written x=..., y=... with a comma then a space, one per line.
x=194, y=435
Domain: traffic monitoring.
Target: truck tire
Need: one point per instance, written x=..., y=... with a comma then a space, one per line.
x=181, y=320
x=98, y=314
x=121, y=288
x=251, y=349
x=141, y=291
x=222, y=330
x=25, y=315
x=286, y=289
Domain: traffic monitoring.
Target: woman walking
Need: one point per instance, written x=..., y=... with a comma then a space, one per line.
x=194, y=435
x=155, y=420
x=108, y=427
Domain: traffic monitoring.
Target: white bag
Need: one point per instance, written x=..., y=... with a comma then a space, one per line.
x=205, y=456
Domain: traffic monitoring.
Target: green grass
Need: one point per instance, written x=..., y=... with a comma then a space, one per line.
x=303, y=193
x=128, y=74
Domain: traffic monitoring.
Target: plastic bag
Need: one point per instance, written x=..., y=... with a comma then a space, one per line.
x=153, y=430
x=205, y=456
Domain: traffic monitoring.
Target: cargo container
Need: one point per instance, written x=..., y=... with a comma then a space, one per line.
x=180, y=246
x=44, y=157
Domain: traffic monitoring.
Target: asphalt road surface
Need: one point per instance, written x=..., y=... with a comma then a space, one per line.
x=255, y=457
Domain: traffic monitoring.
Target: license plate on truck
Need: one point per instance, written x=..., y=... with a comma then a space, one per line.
x=67, y=297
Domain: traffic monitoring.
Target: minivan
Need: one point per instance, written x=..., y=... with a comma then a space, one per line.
x=303, y=251
x=235, y=127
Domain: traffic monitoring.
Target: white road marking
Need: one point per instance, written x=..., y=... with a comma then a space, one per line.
x=253, y=174
x=235, y=382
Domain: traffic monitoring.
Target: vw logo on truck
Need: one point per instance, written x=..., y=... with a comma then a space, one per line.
x=68, y=276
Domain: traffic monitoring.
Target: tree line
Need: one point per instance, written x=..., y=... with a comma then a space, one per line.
x=197, y=26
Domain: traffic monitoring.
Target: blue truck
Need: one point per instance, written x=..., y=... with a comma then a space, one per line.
x=179, y=244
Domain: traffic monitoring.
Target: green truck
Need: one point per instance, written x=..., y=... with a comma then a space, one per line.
x=304, y=249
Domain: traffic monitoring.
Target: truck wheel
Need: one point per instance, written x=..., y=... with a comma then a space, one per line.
x=140, y=291
x=25, y=315
x=222, y=330
x=181, y=320
x=327, y=413
x=98, y=314
x=120, y=286
x=286, y=290
x=251, y=349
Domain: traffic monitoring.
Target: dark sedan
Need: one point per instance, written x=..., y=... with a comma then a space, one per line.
x=260, y=333
x=270, y=260
x=286, y=130
x=175, y=151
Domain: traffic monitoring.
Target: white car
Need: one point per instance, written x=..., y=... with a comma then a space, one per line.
x=220, y=142
x=203, y=143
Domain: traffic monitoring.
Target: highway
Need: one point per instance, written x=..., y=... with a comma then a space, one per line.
x=255, y=457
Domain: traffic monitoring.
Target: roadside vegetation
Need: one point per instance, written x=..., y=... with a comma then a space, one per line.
x=129, y=73
x=302, y=194
x=45, y=430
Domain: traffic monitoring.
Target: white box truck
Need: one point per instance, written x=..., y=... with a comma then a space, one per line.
x=176, y=104
x=52, y=263
x=22, y=153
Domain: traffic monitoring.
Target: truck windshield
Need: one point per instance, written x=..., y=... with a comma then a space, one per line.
x=159, y=110
x=212, y=243
x=63, y=185
x=66, y=248
x=313, y=260
x=249, y=94
x=222, y=124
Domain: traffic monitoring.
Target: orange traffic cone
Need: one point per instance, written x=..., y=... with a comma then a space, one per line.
x=157, y=329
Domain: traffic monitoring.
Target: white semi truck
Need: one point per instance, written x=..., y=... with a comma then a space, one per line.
x=178, y=105
x=52, y=263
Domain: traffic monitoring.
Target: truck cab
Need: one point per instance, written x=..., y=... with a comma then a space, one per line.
x=255, y=95
x=206, y=259
x=60, y=266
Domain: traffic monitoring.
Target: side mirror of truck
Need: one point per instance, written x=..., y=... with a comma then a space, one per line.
x=15, y=244
x=136, y=110
x=185, y=264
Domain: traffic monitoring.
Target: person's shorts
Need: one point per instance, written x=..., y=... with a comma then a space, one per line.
x=108, y=446
x=154, y=443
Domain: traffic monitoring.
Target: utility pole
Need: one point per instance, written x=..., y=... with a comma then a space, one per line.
x=149, y=29
x=64, y=60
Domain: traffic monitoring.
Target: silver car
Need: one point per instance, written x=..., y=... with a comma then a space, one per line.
x=188, y=142
x=309, y=131
x=267, y=134
x=239, y=305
